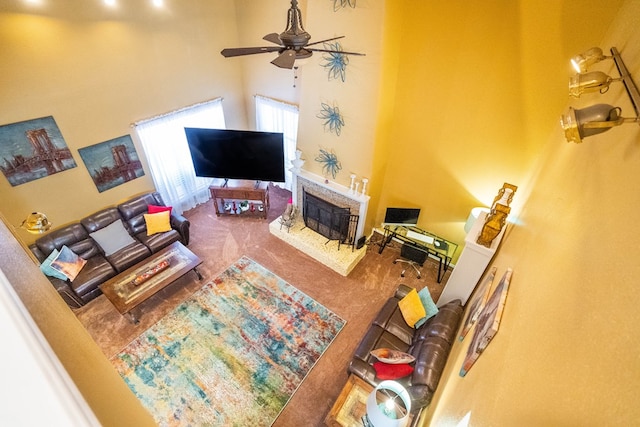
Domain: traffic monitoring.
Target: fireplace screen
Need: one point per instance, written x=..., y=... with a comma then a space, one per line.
x=329, y=220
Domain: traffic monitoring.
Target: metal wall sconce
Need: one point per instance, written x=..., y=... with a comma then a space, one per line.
x=582, y=62
x=36, y=223
x=593, y=81
x=581, y=123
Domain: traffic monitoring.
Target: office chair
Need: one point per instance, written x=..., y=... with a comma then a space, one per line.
x=412, y=256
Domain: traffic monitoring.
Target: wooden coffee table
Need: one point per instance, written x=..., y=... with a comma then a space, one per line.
x=126, y=295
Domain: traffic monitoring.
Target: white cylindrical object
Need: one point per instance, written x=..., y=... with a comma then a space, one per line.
x=353, y=180
x=389, y=412
x=364, y=186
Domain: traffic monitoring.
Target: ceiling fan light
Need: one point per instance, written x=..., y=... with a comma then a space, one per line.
x=292, y=45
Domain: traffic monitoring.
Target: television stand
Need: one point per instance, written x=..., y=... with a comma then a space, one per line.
x=229, y=198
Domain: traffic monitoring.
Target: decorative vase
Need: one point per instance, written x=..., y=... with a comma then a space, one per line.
x=493, y=225
x=297, y=162
x=505, y=195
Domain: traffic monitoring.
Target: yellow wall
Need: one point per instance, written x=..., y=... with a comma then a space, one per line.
x=451, y=101
x=96, y=70
x=566, y=351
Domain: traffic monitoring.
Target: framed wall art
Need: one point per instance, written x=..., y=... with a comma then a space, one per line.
x=488, y=323
x=112, y=162
x=477, y=303
x=33, y=149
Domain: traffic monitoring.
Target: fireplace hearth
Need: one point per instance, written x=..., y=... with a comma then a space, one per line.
x=315, y=244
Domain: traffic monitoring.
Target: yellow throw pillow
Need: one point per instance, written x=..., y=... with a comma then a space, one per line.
x=411, y=308
x=157, y=222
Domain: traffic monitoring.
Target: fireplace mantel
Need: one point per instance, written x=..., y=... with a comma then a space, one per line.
x=338, y=194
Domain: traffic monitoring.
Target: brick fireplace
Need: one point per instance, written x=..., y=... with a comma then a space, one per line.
x=334, y=193
x=339, y=257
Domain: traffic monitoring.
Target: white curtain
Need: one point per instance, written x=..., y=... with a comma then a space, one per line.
x=278, y=116
x=167, y=152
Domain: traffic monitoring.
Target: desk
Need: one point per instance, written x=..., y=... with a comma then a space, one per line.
x=440, y=248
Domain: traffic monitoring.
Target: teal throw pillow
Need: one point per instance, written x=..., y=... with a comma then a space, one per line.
x=429, y=306
x=46, y=268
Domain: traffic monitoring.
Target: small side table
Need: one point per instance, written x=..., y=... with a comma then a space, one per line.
x=351, y=404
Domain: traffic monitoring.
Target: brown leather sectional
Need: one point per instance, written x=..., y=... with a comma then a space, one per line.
x=99, y=267
x=429, y=344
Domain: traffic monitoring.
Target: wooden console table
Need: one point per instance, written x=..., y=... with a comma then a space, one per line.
x=351, y=405
x=237, y=191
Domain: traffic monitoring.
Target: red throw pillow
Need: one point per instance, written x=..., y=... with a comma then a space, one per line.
x=386, y=371
x=155, y=209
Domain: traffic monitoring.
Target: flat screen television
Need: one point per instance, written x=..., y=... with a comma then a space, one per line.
x=237, y=154
x=401, y=216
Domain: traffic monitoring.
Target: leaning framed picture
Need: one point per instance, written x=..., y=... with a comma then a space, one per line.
x=488, y=323
x=33, y=149
x=477, y=303
x=112, y=163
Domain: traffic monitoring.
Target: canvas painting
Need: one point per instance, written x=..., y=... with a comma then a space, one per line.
x=488, y=323
x=477, y=303
x=33, y=149
x=112, y=162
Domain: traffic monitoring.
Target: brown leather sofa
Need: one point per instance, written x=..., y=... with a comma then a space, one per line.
x=101, y=267
x=429, y=344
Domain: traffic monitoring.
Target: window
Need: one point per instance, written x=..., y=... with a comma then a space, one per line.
x=278, y=116
x=165, y=147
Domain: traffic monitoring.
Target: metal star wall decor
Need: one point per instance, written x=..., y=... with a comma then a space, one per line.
x=330, y=163
x=339, y=4
x=331, y=117
x=335, y=62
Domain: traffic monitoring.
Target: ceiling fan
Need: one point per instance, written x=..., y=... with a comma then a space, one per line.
x=292, y=44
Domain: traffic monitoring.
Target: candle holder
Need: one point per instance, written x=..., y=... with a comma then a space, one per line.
x=364, y=186
x=353, y=180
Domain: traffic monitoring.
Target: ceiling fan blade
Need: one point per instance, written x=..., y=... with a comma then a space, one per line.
x=327, y=40
x=336, y=51
x=286, y=59
x=273, y=38
x=239, y=51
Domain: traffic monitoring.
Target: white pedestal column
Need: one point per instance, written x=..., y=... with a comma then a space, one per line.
x=470, y=266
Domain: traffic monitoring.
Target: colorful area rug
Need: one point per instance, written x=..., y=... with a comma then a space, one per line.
x=231, y=355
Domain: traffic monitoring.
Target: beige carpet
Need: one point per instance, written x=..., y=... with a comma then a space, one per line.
x=220, y=241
